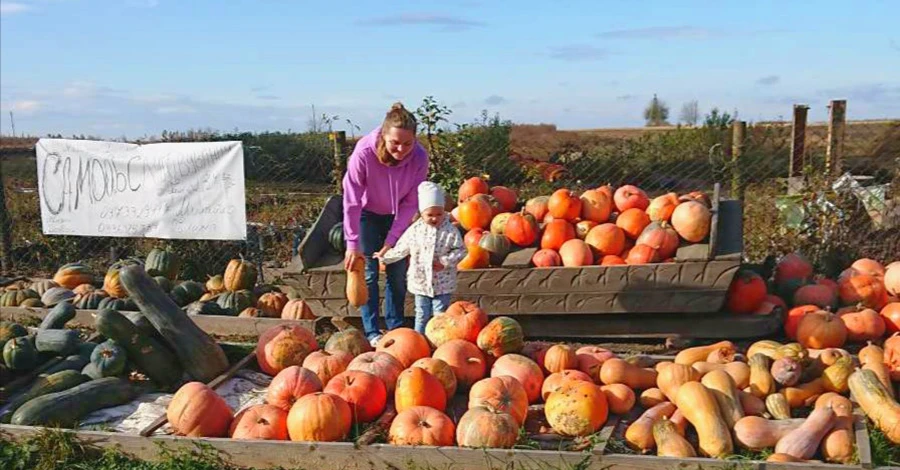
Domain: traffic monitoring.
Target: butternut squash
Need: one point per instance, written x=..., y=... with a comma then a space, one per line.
x=757, y=433
x=699, y=406
x=639, y=434
x=871, y=353
x=722, y=386
x=872, y=358
x=357, y=291
x=662, y=365
x=836, y=375
x=700, y=353
x=765, y=347
x=618, y=371
x=804, y=394
x=721, y=355
x=840, y=404
x=652, y=397
x=751, y=405
x=679, y=421
x=762, y=384
x=828, y=355
x=784, y=458
x=803, y=441
x=671, y=378
x=669, y=443
x=876, y=402
x=739, y=371
x=778, y=406
x=837, y=446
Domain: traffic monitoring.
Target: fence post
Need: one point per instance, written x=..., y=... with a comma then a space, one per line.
x=798, y=147
x=339, y=140
x=738, y=134
x=837, y=125
x=5, y=229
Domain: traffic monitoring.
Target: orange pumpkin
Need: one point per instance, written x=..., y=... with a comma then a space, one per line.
x=465, y=359
x=794, y=315
x=619, y=397
x=590, y=360
x=661, y=207
x=506, y=197
x=284, y=346
x=578, y=409
x=792, y=266
x=892, y=279
x=441, y=371
x=869, y=267
x=546, y=258
x=642, y=254
x=297, y=309
x=856, y=287
x=473, y=237
x=266, y=422
x=405, y=344
x=326, y=365
x=475, y=213
x=471, y=187
x=538, y=207
x=196, y=410
x=500, y=336
x=84, y=289
x=692, y=221
x=272, y=304
x=630, y=197
x=462, y=320
x=501, y=393
x=365, y=393
x=584, y=227
x=698, y=196
x=476, y=258
x=606, y=239
x=381, y=365
x=863, y=324
x=557, y=232
x=421, y=426
x=537, y=351
x=319, y=417
x=891, y=315
x=73, y=275
x=746, y=292
x=521, y=229
x=564, y=204
x=612, y=260
x=633, y=222
x=417, y=387
x=596, y=206
x=662, y=237
x=608, y=190
x=892, y=356
x=290, y=384
x=557, y=380
x=560, y=357
x=820, y=330
x=815, y=294
x=576, y=253
x=522, y=369
x=483, y=427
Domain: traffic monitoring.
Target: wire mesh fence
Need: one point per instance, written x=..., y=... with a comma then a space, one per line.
x=827, y=190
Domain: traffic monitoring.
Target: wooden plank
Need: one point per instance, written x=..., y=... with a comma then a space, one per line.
x=519, y=258
x=315, y=242
x=837, y=125
x=798, y=149
x=863, y=445
x=714, y=223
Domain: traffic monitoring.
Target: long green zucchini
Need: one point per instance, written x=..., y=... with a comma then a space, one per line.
x=58, y=316
x=60, y=342
x=201, y=356
x=65, y=408
x=44, y=385
x=74, y=362
x=146, y=353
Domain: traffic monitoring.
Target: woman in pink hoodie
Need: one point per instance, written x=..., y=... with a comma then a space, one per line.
x=380, y=202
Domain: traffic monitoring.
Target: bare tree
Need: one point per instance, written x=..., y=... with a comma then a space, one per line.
x=690, y=113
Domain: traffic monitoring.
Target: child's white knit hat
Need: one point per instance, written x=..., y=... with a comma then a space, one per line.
x=430, y=195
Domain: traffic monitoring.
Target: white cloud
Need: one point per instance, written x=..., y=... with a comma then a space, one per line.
x=176, y=109
x=26, y=106
x=11, y=8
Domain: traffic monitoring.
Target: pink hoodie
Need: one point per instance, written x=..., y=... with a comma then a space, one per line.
x=381, y=189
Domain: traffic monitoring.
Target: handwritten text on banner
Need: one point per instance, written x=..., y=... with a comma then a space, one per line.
x=189, y=190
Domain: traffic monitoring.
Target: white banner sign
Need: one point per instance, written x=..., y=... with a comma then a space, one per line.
x=169, y=190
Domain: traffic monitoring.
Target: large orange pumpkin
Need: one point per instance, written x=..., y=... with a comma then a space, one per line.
x=590, y=360
x=692, y=221
x=630, y=197
x=642, y=254
x=564, y=204
x=441, y=371
x=476, y=258
x=633, y=222
x=196, y=410
x=267, y=422
x=522, y=369
x=536, y=351
x=891, y=315
x=290, y=384
x=381, y=365
x=608, y=190
x=72, y=275
x=820, y=295
x=546, y=258
x=794, y=315
x=560, y=357
x=577, y=409
x=500, y=336
x=297, y=309
x=698, y=196
x=792, y=266
x=326, y=365
x=471, y=187
x=465, y=359
x=284, y=346
x=606, y=239
x=612, y=260
x=421, y=426
x=596, y=206
x=405, y=344
x=661, y=207
x=576, y=253
x=475, y=213
x=856, y=287
x=557, y=380
x=522, y=229
x=501, y=393
x=506, y=197
x=365, y=393
x=746, y=292
x=538, y=207
x=582, y=228
x=869, y=266
x=662, y=237
x=892, y=278
x=820, y=330
x=319, y=417
x=483, y=427
x=557, y=232
x=271, y=304
x=863, y=324
x=417, y=387
x=462, y=320
x=473, y=236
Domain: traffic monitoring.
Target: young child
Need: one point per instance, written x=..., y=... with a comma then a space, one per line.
x=434, y=247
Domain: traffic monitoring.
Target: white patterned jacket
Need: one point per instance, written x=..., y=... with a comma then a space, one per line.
x=424, y=244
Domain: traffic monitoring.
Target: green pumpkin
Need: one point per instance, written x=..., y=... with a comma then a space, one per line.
x=10, y=330
x=207, y=308
x=187, y=292
x=336, y=238
x=164, y=283
x=496, y=245
x=235, y=302
x=163, y=262
x=108, y=359
x=55, y=295
x=117, y=304
x=34, y=303
x=19, y=354
x=15, y=297
x=42, y=286
x=91, y=300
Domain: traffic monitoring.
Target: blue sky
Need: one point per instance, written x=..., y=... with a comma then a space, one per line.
x=136, y=67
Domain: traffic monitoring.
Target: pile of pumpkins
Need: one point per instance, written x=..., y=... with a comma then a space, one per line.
x=709, y=401
x=601, y=226
x=233, y=293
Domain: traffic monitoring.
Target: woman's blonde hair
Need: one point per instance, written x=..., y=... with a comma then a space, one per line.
x=399, y=117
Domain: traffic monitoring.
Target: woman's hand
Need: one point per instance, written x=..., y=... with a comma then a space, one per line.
x=380, y=253
x=350, y=257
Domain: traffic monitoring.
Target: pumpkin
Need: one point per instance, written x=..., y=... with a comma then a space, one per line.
x=576, y=253
x=365, y=393
x=652, y=397
x=699, y=406
x=751, y=405
x=336, y=238
x=821, y=330
x=692, y=221
x=877, y=403
x=746, y=292
x=669, y=379
x=326, y=365
x=15, y=297
x=235, y=301
x=462, y=320
x=630, y=197
x=421, y=426
x=83, y=289
x=10, y=330
x=819, y=295
x=381, y=365
x=475, y=213
x=503, y=393
x=497, y=247
x=890, y=313
x=804, y=394
x=507, y=198
x=762, y=384
x=669, y=443
x=786, y=371
x=405, y=344
x=612, y=260
x=557, y=380
x=726, y=394
x=498, y=223
x=660, y=236
x=564, y=204
x=620, y=398
x=854, y=287
x=441, y=371
x=546, y=258
x=536, y=351
x=639, y=434
x=266, y=422
x=803, y=442
x=633, y=222
x=596, y=206
x=862, y=324
x=357, y=291
x=841, y=405
x=522, y=229
x=272, y=303
x=465, y=359
x=418, y=387
x=290, y=384
x=473, y=236
x=892, y=356
x=757, y=433
x=560, y=357
x=163, y=262
x=869, y=266
x=481, y=427
x=642, y=254
x=661, y=207
x=111, y=283
x=618, y=371
x=577, y=409
x=778, y=406
x=583, y=227
x=42, y=286
x=500, y=336
x=835, y=377
x=523, y=369
x=471, y=187
x=215, y=284
x=296, y=309
x=538, y=207
x=793, y=266
x=700, y=353
x=739, y=371
x=19, y=353
x=283, y=346
x=476, y=258
x=557, y=232
x=792, y=321
x=72, y=275
x=190, y=291
x=892, y=279
x=319, y=417
x=196, y=410
x=606, y=239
